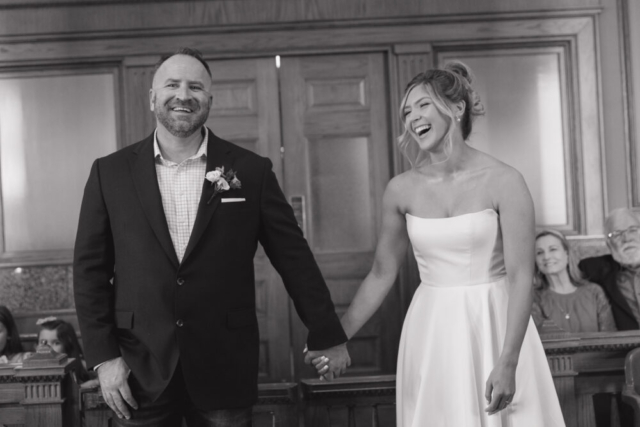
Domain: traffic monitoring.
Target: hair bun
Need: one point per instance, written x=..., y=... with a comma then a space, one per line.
x=460, y=69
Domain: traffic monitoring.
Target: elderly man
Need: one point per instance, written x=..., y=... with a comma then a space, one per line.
x=619, y=273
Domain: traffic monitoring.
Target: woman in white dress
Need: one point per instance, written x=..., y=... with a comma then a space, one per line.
x=469, y=352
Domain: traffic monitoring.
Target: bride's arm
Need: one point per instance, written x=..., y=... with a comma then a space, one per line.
x=517, y=223
x=390, y=251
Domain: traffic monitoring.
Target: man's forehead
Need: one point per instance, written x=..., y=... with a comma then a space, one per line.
x=179, y=67
x=622, y=219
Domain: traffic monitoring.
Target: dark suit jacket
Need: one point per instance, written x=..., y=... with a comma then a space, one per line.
x=603, y=270
x=135, y=300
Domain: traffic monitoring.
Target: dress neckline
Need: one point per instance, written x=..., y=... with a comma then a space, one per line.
x=455, y=216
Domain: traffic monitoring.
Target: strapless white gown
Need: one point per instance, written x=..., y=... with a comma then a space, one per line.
x=454, y=332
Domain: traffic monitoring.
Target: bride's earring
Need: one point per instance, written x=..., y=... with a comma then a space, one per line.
x=458, y=118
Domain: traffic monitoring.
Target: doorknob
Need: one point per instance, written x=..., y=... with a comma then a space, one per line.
x=297, y=203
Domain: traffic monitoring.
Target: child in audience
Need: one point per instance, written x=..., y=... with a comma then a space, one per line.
x=11, y=350
x=61, y=337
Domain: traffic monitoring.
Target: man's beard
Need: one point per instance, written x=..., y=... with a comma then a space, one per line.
x=630, y=258
x=185, y=126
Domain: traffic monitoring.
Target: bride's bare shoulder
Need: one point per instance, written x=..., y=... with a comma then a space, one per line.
x=497, y=170
x=401, y=190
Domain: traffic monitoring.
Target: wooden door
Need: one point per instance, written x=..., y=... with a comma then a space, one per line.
x=336, y=164
x=246, y=111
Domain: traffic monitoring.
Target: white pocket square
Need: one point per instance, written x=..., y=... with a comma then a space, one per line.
x=232, y=200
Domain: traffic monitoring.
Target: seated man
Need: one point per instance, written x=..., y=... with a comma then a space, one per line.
x=619, y=273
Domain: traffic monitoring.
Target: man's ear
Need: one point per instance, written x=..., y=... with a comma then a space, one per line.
x=152, y=98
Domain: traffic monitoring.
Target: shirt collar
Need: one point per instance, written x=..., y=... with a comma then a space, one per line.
x=202, y=151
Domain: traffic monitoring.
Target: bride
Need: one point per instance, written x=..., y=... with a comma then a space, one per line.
x=469, y=352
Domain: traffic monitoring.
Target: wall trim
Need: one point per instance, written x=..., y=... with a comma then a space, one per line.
x=284, y=26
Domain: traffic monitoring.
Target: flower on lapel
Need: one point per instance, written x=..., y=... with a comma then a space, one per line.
x=222, y=181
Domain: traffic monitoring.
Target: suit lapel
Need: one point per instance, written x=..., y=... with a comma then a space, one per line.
x=218, y=154
x=143, y=169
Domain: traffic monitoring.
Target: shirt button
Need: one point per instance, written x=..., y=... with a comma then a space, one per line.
x=179, y=322
x=180, y=281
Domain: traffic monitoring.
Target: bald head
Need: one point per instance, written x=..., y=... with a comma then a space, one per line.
x=184, y=66
x=180, y=96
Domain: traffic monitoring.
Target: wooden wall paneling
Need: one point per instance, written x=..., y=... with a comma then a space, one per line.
x=628, y=13
x=138, y=118
x=269, y=40
x=591, y=132
x=50, y=17
x=410, y=59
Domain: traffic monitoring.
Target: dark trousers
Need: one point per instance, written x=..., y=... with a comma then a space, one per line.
x=174, y=405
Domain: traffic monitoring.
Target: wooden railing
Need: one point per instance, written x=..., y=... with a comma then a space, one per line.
x=587, y=365
x=582, y=365
x=357, y=401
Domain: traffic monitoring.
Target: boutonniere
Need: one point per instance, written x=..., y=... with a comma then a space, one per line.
x=222, y=181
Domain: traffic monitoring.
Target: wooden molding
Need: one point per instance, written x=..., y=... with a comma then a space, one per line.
x=267, y=40
x=628, y=103
x=590, y=342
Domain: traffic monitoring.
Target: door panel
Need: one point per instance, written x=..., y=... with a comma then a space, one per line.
x=336, y=157
x=245, y=111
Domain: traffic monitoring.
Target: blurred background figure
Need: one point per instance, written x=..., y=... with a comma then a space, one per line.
x=619, y=273
x=11, y=350
x=561, y=294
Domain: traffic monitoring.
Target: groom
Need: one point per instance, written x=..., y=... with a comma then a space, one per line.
x=163, y=265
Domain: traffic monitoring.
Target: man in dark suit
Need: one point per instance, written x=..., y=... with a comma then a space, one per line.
x=163, y=265
x=619, y=273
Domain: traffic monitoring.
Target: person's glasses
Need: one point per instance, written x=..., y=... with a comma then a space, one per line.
x=617, y=235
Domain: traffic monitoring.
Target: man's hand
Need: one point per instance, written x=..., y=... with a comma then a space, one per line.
x=330, y=363
x=113, y=376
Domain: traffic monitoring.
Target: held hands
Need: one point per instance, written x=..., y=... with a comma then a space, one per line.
x=330, y=363
x=501, y=386
x=113, y=376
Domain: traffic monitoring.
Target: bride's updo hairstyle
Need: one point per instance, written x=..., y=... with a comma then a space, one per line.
x=445, y=87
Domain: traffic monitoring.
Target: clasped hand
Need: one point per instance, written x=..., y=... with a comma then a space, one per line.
x=330, y=363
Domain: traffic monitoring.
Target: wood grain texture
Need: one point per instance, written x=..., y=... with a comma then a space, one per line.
x=411, y=59
x=72, y=16
x=267, y=41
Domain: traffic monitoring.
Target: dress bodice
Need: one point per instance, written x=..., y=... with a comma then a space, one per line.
x=463, y=250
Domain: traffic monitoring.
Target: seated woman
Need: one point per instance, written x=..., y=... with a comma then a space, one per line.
x=560, y=292
x=11, y=350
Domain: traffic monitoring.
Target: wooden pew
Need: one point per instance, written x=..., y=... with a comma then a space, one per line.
x=583, y=365
x=350, y=401
x=631, y=392
x=39, y=393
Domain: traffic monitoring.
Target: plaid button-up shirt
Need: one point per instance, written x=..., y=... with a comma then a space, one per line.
x=181, y=188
